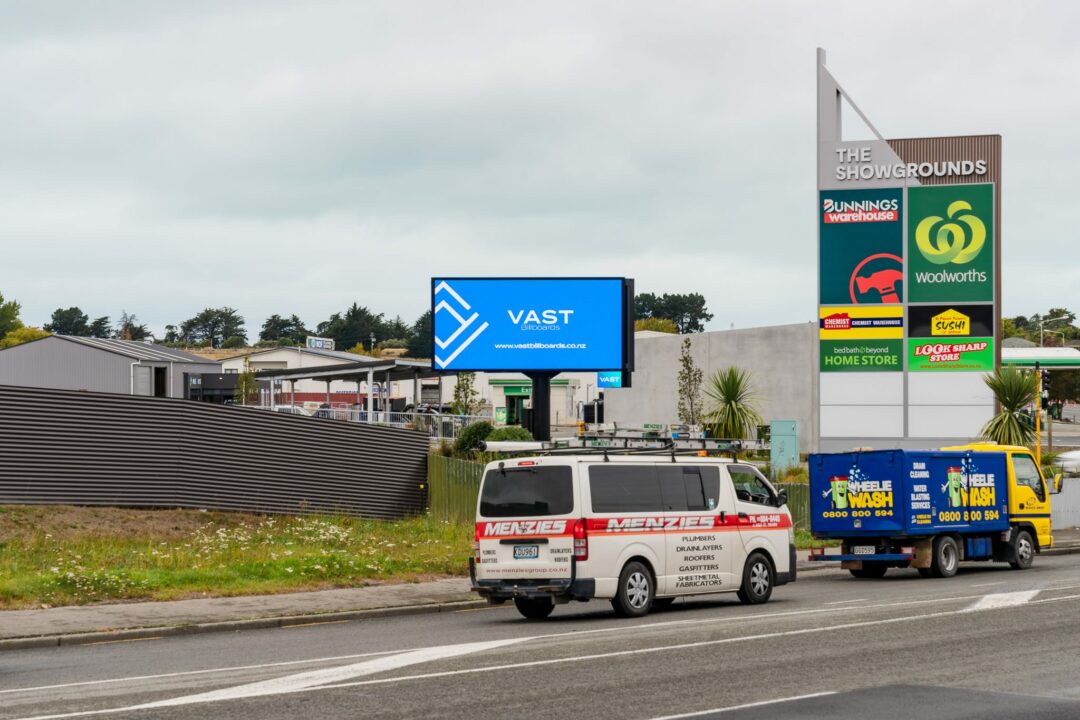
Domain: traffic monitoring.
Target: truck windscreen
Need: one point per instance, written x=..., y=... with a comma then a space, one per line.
x=527, y=492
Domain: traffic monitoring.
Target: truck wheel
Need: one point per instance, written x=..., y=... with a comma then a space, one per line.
x=635, y=594
x=946, y=557
x=1025, y=551
x=534, y=609
x=758, y=579
x=871, y=570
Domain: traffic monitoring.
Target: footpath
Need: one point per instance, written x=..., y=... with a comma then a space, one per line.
x=84, y=624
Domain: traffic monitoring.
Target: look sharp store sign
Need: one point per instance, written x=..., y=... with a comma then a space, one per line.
x=908, y=267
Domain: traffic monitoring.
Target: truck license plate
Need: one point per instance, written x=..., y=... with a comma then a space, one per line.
x=864, y=549
x=526, y=552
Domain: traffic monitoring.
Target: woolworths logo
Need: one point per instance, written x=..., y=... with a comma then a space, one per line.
x=951, y=250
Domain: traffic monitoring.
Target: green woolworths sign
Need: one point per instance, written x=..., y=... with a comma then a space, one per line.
x=950, y=243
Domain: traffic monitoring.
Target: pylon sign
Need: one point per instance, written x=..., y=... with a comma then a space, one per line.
x=908, y=282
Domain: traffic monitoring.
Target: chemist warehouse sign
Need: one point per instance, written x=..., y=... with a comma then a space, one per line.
x=861, y=338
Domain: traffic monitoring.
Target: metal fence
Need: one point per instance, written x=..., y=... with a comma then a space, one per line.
x=65, y=447
x=454, y=484
x=437, y=427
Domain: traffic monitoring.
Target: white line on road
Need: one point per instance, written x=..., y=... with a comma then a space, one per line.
x=1003, y=600
x=987, y=584
x=747, y=705
x=198, y=672
x=845, y=602
x=305, y=682
x=548, y=636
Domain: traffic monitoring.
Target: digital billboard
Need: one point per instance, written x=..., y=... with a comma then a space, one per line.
x=531, y=324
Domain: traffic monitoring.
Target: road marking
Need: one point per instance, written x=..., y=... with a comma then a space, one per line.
x=745, y=706
x=128, y=640
x=997, y=601
x=318, y=680
x=197, y=672
x=846, y=602
x=987, y=584
x=313, y=624
x=594, y=631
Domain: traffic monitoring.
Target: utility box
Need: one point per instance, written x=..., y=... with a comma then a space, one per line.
x=784, y=446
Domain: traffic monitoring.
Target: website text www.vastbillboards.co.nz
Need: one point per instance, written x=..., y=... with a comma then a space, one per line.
x=541, y=346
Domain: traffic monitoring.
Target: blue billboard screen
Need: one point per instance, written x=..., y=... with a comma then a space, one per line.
x=526, y=324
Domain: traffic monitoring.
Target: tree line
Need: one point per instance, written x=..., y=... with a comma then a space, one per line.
x=353, y=329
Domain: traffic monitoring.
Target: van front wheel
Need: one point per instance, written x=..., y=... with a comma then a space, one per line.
x=635, y=595
x=757, y=580
x=534, y=609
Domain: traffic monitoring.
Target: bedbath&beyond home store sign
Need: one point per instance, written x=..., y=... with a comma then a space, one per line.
x=909, y=282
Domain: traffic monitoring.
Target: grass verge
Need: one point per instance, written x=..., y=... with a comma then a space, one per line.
x=70, y=556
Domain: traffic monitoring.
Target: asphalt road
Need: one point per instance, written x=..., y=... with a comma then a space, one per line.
x=989, y=643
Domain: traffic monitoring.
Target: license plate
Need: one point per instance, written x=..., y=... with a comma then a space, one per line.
x=526, y=552
x=864, y=549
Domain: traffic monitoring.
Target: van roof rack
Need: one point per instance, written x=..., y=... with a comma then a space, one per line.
x=622, y=445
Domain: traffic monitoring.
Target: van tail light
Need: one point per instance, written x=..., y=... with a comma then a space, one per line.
x=581, y=541
x=476, y=542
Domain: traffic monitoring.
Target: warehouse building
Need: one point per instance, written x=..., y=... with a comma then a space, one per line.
x=65, y=362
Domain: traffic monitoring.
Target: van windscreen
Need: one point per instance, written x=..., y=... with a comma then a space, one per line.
x=527, y=491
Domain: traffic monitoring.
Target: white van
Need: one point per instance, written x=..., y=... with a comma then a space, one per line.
x=639, y=529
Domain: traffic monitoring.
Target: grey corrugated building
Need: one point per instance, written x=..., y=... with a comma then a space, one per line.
x=66, y=362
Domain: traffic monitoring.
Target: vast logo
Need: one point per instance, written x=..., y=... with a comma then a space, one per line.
x=944, y=241
x=456, y=306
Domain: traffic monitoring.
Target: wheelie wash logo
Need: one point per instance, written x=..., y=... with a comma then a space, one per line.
x=950, y=243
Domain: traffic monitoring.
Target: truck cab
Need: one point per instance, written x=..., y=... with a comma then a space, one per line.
x=1029, y=496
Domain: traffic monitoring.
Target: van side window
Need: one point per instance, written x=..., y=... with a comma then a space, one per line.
x=1028, y=475
x=750, y=486
x=626, y=488
x=689, y=488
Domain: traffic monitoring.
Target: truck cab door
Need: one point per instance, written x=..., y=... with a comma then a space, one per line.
x=1029, y=500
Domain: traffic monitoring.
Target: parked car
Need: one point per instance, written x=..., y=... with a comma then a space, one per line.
x=1067, y=463
x=291, y=410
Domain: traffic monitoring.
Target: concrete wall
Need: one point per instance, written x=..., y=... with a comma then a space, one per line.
x=781, y=358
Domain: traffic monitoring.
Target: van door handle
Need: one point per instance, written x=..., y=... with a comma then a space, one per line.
x=1021, y=506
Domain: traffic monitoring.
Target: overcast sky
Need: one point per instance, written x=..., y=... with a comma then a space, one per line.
x=295, y=157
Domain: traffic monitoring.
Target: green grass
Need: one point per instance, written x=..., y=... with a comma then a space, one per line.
x=66, y=556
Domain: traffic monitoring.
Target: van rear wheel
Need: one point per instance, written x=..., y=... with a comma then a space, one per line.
x=634, y=597
x=534, y=609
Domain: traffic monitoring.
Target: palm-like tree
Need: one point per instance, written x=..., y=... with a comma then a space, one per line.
x=733, y=412
x=1014, y=389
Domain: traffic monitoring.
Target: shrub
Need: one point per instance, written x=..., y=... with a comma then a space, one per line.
x=471, y=436
x=510, y=432
x=234, y=342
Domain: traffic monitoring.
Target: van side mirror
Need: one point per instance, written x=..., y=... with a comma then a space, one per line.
x=781, y=497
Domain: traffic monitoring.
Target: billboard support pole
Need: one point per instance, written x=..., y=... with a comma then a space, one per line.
x=541, y=404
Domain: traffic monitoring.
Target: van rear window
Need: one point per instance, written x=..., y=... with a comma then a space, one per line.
x=528, y=491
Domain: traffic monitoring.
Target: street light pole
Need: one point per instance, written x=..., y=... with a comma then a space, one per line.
x=1047, y=322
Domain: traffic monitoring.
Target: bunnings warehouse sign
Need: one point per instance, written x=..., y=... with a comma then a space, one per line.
x=861, y=355
x=950, y=243
x=970, y=354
